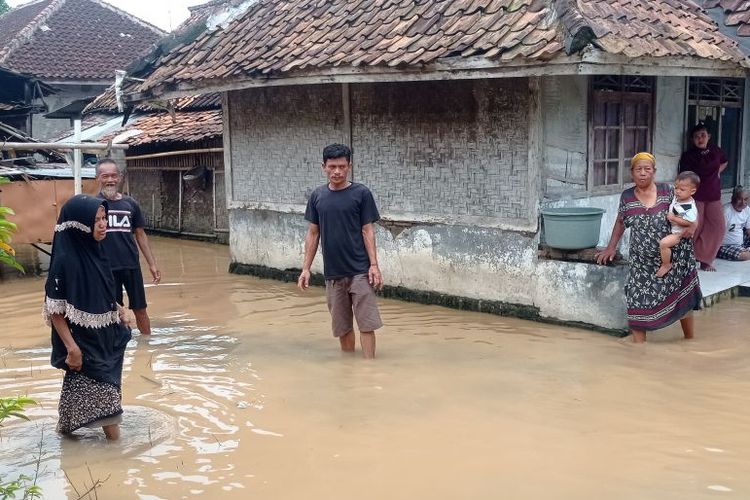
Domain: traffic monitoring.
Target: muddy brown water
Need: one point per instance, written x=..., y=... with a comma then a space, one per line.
x=241, y=392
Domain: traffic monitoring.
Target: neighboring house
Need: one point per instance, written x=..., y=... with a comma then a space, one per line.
x=21, y=96
x=175, y=163
x=73, y=45
x=465, y=117
x=733, y=17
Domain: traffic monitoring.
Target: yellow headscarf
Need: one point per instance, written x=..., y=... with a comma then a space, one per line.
x=643, y=156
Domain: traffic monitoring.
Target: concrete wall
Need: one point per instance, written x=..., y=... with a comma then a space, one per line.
x=447, y=161
x=48, y=128
x=477, y=263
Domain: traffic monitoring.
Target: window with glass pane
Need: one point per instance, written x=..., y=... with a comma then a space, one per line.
x=621, y=124
x=718, y=103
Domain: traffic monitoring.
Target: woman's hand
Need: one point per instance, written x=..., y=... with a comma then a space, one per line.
x=606, y=256
x=74, y=359
x=124, y=318
x=689, y=231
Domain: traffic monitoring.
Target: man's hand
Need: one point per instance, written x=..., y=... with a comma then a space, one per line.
x=156, y=274
x=303, y=282
x=375, y=278
x=74, y=359
x=605, y=256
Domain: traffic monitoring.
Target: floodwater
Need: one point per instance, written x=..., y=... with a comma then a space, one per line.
x=241, y=392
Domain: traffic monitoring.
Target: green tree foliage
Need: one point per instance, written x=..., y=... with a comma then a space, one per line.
x=4, y=7
x=7, y=228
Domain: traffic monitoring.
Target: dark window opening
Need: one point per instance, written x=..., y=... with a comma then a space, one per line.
x=718, y=103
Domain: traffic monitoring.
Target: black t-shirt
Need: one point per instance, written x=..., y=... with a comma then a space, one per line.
x=340, y=216
x=119, y=245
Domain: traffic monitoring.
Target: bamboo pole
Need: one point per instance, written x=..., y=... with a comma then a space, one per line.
x=77, y=158
x=174, y=153
x=62, y=146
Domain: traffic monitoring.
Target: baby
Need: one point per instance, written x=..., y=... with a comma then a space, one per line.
x=682, y=213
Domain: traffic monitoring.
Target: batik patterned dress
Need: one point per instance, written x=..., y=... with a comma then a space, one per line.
x=655, y=303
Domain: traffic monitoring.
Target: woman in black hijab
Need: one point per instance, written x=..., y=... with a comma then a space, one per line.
x=88, y=332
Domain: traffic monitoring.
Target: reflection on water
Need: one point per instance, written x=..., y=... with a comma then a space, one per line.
x=241, y=392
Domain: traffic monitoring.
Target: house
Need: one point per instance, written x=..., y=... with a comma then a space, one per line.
x=465, y=118
x=21, y=96
x=174, y=163
x=733, y=18
x=73, y=45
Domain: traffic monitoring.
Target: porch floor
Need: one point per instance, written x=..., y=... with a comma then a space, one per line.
x=726, y=281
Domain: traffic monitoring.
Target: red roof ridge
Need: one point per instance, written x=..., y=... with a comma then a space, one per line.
x=131, y=17
x=28, y=31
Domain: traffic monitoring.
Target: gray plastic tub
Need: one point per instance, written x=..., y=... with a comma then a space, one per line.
x=572, y=228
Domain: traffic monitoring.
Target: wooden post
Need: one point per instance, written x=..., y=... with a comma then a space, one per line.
x=213, y=189
x=227, y=145
x=536, y=151
x=179, y=204
x=77, y=157
x=346, y=105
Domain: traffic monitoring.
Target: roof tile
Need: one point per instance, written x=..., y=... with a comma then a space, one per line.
x=160, y=128
x=72, y=39
x=278, y=37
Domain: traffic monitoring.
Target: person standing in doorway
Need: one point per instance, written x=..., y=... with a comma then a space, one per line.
x=708, y=161
x=125, y=235
x=342, y=214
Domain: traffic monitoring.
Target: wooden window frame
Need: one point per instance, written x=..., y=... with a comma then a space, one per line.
x=621, y=96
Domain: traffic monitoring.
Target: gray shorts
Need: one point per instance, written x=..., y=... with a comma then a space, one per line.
x=350, y=298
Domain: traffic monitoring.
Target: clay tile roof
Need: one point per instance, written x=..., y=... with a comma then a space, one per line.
x=272, y=37
x=106, y=102
x=659, y=28
x=736, y=12
x=72, y=39
x=194, y=126
x=277, y=38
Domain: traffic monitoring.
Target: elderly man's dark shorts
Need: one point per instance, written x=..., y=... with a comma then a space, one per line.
x=350, y=298
x=132, y=280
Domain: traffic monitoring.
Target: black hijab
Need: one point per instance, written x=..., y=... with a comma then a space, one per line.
x=80, y=284
x=81, y=288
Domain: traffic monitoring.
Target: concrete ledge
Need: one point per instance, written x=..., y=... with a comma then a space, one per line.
x=527, y=312
x=715, y=298
x=222, y=238
x=586, y=255
x=728, y=275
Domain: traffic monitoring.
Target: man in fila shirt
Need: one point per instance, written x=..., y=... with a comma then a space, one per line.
x=124, y=231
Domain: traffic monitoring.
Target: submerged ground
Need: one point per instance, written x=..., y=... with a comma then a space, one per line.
x=241, y=392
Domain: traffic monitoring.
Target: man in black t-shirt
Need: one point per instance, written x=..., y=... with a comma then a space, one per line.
x=341, y=216
x=125, y=235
